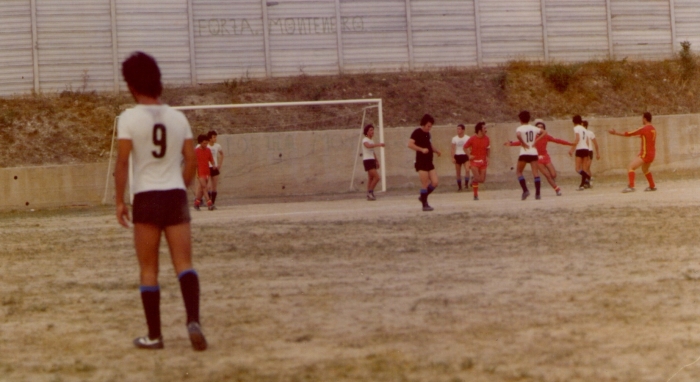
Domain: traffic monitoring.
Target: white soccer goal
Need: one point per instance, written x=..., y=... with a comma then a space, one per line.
x=283, y=117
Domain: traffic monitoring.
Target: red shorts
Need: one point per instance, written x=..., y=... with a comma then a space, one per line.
x=648, y=158
x=544, y=159
x=478, y=163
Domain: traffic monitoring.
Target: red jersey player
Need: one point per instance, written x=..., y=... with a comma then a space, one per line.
x=544, y=162
x=479, y=157
x=647, y=133
x=204, y=159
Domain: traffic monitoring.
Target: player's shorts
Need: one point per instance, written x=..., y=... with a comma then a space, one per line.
x=648, y=158
x=544, y=159
x=528, y=158
x=161, y=208
x=424, y=165
x=203, y=172
x=478, y=163
x=214, y=171
x=461, y=159
x=370, y=164
x=582, y=153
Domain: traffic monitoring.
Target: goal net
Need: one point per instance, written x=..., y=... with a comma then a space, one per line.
x=286, y=148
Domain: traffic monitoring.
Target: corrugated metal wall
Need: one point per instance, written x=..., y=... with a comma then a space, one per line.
x=80, y=44
x=16, y=64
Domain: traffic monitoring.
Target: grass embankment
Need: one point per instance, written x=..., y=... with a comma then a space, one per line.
x=75, y=127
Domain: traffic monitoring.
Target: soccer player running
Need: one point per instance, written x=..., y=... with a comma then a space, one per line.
x=544, y=162
x=528, y=136
x=215, y=170
x=647, y=133
x=480, y=146
x=459, y=157
x=369, y=160
x=592, y=142
x=157, y=138
x=582, y=151
x=204, y=161
x=421, y=144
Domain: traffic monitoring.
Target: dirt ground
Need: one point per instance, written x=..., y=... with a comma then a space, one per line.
x=590, y=286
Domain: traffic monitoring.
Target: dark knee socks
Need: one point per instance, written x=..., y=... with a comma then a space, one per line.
x=189, y=285
x=150, y=297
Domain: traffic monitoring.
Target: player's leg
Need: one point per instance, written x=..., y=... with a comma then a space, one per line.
x=458, y=172
x=476, y=180
x=520, y=167
x=372, y=180
x=550, y=173
x=201, y=189
x=634, y=165
x=536, y=175
x=424, y=177
x=587, y=169
x=147, y=242
x=647, y=174
x=213, y=186
x=466, y=173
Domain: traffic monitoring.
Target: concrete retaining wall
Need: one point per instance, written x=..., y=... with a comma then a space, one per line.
x=321, y=162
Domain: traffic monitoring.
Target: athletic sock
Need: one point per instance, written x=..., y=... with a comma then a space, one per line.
x=475, y=187
x=430, y=189
x=538, y=183
x=197, y=202
x=557, y=189
x=630, y=176
x=650, y=179
x=213, y=196
x=209, y=194
x=466, y=181
x=424, y=196
x=583, y=178
x=521, y=179
x=459, y=183
x=150, y=297
x=189, y=285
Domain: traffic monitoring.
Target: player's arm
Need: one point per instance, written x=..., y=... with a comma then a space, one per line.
x=520, y=139
x=412, y=145
x=560, y=141
x=190, y=168
x=220, y=156
x=488, y=155
x=121, y=174
x=597, y=152
x=541, y=135
x=436, y=151
x=453, y=149
x=576, y=140
x=513, y=143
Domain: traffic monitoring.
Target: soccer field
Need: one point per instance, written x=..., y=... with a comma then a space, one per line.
x=590, y=286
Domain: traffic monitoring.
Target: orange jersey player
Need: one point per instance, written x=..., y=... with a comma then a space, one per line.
x=647, y=133
x=480, y=146
x=204, y=160
x=544, y=162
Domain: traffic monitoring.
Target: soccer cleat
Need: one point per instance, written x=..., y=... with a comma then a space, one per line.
x=650, y=189
x=558, y=192
x=147, y=343
x=580, y=188
x=196, y=204
x=197, y=339
x=525, y=195
x=537, y=197
x=586, y=185
x=371, y=197
x=476, y=198
x=427, y=208
x=459, y=189
x=212, y=207
x=628, y=189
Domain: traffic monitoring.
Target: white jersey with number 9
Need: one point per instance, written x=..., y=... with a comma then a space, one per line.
x=157, y=134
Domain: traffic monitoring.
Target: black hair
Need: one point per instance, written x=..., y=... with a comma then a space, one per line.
x=461, y=126
x=541, y=123
x=524, y=116
x=141, y=72
x=647, y=116
x=366, y=129
x=478, y=127
x=211, y=133
x=577, y=119
x=427, y=119
x=201, y=138
x=584, y=123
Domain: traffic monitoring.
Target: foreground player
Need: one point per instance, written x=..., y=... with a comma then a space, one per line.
x=421, y=144
x=157, y=138
x=647, y=133
x=582, y=151
x=214, y=171
x=369, y=160
x=204, y=162
x=459, y=157
x=544, y=162
x=480, y=146
x=528, y=136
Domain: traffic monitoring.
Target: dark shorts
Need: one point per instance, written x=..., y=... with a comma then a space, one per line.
x=424, y=166
x=214, y=171
x=370, y=164
x=161, y=208
x=582, y=153
x=528, y=158
x=461, y=159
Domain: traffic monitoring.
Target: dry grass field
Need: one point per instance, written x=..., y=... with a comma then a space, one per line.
x=590, y=286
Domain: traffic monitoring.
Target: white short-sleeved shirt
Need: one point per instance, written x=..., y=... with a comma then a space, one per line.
x=591, y=136
x=157, y=134
x=367, y=154
x=529, y=134
x=459, y=144
x=582, y=144
x=215, y=150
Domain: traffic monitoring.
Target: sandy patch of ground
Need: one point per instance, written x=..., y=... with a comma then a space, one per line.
x=590, y=286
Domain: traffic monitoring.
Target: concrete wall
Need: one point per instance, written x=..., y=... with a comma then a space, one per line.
x=321, y=162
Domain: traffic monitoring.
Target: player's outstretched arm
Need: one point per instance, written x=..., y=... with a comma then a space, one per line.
x=597, y=152
x=190, y=167
x=541, y=135
x=121, y=173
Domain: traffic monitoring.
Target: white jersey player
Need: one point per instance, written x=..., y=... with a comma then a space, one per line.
x=528, y=135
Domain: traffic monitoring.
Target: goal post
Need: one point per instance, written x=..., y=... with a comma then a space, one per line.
x=301, y=116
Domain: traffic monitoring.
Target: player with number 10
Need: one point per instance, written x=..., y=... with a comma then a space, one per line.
x=528, y=135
